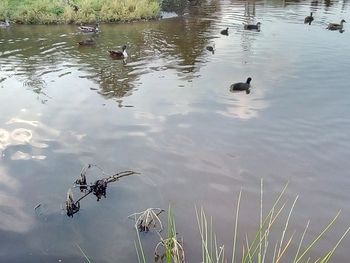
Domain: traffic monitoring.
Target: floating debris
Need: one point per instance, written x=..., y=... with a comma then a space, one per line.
x=37, y=206
x=148, y=219
x=98, y=188
x=71, y=206
x=81, y=181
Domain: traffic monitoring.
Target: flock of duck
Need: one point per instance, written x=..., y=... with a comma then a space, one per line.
x=88, y=42
x=245, y=86
x=240, y=86
x=94, y=29
x=331, y=26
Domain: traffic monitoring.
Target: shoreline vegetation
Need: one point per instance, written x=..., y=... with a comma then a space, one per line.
x=273, y=241
x=81, y=11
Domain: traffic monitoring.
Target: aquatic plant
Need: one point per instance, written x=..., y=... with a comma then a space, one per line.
x=170, y=249
x=148, y=219
x=257, y=250
x=260, y=248
x=71, y=206
x=98, y=188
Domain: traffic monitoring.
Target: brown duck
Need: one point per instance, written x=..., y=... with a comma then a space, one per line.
x=334, y=26
x=119, y=54
x=87, y=42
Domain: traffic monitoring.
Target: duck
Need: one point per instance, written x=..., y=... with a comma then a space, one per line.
x=242, y=86
x=89, y=29
x=309, y=19
x=224, y=32
x=119, y=54
x=87, y=42
x=5, y=23
x=211, y=48
x=252, y=27
x=334, y=26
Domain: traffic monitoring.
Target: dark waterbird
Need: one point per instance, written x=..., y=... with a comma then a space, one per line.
x=309, y=19
x=241, y=86
x=211, y=48
x=252, y=27
x=119, y=54
x=87, y=42
x=334, y=26
x=224, y=32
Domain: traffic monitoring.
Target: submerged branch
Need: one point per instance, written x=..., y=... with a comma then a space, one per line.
x=117, y=176
x=98, y=188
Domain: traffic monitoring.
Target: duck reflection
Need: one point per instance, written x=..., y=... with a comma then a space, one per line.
x=41, y=61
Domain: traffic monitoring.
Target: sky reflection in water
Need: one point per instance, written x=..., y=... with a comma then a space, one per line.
x=168, y=113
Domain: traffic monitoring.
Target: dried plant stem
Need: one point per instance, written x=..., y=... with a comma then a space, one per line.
x=112, y=178
x=85, y=256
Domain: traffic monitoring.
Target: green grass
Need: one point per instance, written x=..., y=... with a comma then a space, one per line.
x=168, y=249
x=261, y=247
x=89, y=11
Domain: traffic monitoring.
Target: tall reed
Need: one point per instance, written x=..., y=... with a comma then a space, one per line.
x=261, y=248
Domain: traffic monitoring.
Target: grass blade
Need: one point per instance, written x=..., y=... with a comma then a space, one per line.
x=85, y=256
x=318, y=237
x=236, y=226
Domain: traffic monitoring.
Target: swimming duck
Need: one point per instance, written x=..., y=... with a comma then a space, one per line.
x=309, y=19
x=253, y=27
x=241, y=86
x=87, y=42
x=211, y=48
x=224, y=32
x=334, y=26
x=119, y=54
x=5, y=23
x=89, y=29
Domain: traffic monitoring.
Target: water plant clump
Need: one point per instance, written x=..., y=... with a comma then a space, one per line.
x=260, y=248
x=148, y=219
x=71, y=206
x=98, y=188
x=169, y=249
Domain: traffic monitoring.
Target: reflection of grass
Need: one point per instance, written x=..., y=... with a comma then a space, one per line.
x=261, y=248
x=58, y=11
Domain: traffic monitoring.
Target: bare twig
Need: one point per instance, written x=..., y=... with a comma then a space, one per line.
x=147, y=219
x=98, y=188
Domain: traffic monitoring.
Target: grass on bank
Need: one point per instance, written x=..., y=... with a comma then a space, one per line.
x=262, y=248
x=89, y=11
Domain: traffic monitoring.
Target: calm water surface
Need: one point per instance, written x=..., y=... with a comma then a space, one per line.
x=167, y=112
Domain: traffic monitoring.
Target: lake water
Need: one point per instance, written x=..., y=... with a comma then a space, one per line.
x=167, y=113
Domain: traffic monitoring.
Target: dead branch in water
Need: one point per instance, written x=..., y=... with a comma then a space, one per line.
x=98, y=188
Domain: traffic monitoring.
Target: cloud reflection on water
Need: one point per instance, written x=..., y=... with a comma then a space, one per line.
x=12, y=209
